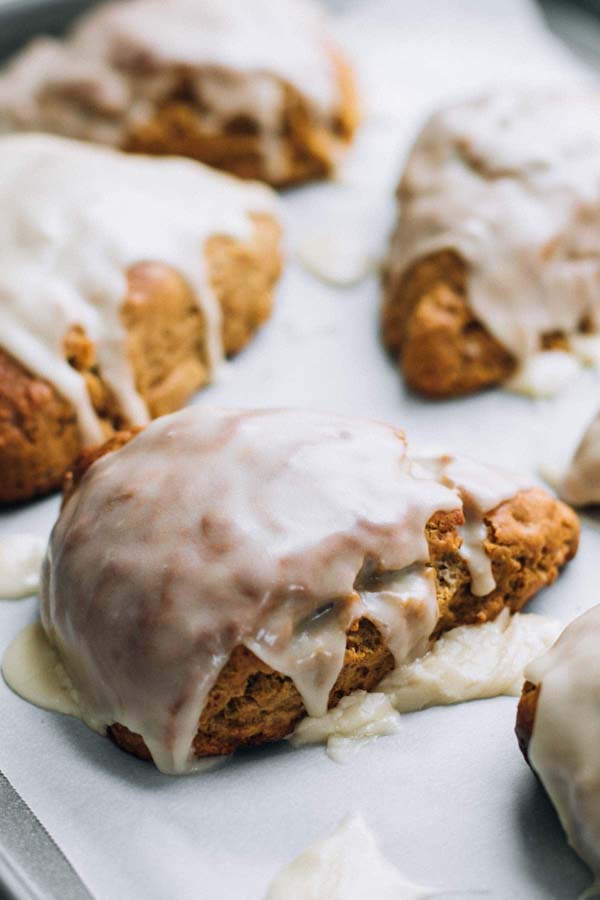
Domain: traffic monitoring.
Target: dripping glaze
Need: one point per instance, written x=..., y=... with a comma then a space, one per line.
x=74, y=219
x=518, y=200
x=123, y=60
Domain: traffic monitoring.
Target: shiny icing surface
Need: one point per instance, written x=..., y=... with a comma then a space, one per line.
x=472, y=662
x=358, y=718
x=214, y=528
x=74, y=219
x=566, y=733
x=21, y=558
x=346, y=865
x=518, y=198
x=125, y=59
x=581, y=484
x=32, y=668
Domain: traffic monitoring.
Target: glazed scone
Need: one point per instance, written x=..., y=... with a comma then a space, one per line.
x=256, y=88
x=214, y=579
x=558, y=728
x=124, y=280
x=494, y=258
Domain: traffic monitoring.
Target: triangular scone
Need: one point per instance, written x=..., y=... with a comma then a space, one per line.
x=256, y=87
x=495, y=254
x=225, y=572
x=123, y=281
x=558, y=729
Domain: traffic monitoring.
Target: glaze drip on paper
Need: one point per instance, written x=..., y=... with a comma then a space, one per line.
x=470, y=662
x=21, y=557
x=346, y=865
x=32, y=669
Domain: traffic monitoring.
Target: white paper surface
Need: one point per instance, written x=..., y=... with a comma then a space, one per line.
x=449, y=797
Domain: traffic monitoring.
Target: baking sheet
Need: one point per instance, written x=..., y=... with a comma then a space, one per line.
x=450, y=797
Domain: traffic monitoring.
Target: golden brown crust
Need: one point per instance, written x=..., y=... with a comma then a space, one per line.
x=179, y=128
x=251, y=704
x=39, y=436
x=530, y=537
x=242, y=276
x=526, y=716
x=442, y=349
x=32, y=416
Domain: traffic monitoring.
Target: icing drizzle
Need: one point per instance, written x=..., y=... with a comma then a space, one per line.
x=74, y=219
x=518, y=199
x=124, y=60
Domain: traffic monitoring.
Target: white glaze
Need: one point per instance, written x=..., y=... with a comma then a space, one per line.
x=32, y=669
x=472, y=550
x=586, y=348
x=214, y=528
x=482, y=488
x=341, y=258
x=517, y=198
x=581, y=483
x=347, y=865
x=74, y=219
x=124, y=60
x=472, y=662
x=563, y=748
x=21, y=558
x=545, y=374
x=355, y=721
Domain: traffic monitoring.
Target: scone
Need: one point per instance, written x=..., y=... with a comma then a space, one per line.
x=495, y=258
x=257, y=88
x=558, y=728
x=123, y=282
x=214, y=579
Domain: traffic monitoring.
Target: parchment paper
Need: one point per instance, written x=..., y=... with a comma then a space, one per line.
x=450, y=796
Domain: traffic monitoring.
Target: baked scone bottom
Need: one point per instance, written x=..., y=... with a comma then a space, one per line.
x=242, y=569
x=558, y=727
x=493, y=257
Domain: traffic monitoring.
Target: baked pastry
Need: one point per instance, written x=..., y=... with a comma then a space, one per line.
x=495, y=252
x=258, y=89
x=558, y=728
x=581, y=483
x=214, y=579
x=123, y=281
